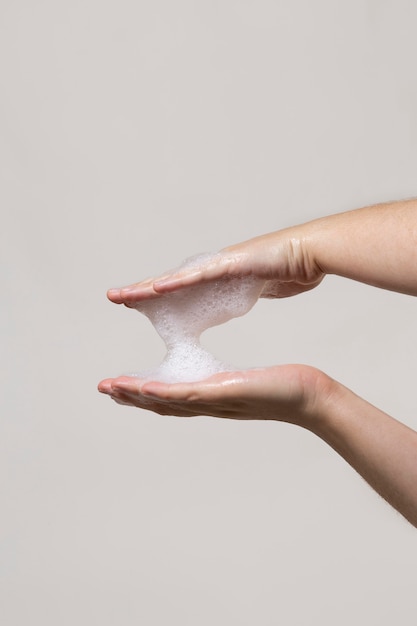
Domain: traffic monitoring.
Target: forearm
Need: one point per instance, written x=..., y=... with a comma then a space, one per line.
x=376, y=245
x=381, y=449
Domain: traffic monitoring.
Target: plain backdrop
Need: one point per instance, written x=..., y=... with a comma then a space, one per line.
x=134, y=134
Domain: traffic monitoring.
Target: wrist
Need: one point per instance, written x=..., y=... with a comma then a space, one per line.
x=313, y=238
x=323, y=398
x=312, y=397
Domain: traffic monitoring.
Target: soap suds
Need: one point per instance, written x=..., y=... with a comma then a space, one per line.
x=182, y=316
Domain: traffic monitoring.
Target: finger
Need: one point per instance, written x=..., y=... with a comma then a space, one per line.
x=211, y=390
x=143, y=290
x=128, y=390
x=130, y=394
x=212, y=268
x=120, y=384
x=132, y=293
x=104, y=386
x=120, y=400
x=182, y=401
x=217, y=396
x=127, y=384
x=218, y=266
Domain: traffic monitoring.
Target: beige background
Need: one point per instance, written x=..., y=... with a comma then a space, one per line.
x=132, y=135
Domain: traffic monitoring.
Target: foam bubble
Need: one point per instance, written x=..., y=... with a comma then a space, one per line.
x=182, y=316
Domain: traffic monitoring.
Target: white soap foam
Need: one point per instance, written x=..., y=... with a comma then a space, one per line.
x=182, y=316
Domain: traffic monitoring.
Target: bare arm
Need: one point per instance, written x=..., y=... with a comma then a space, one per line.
x=381, y=449
x=376, y=245
x=378, y=447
